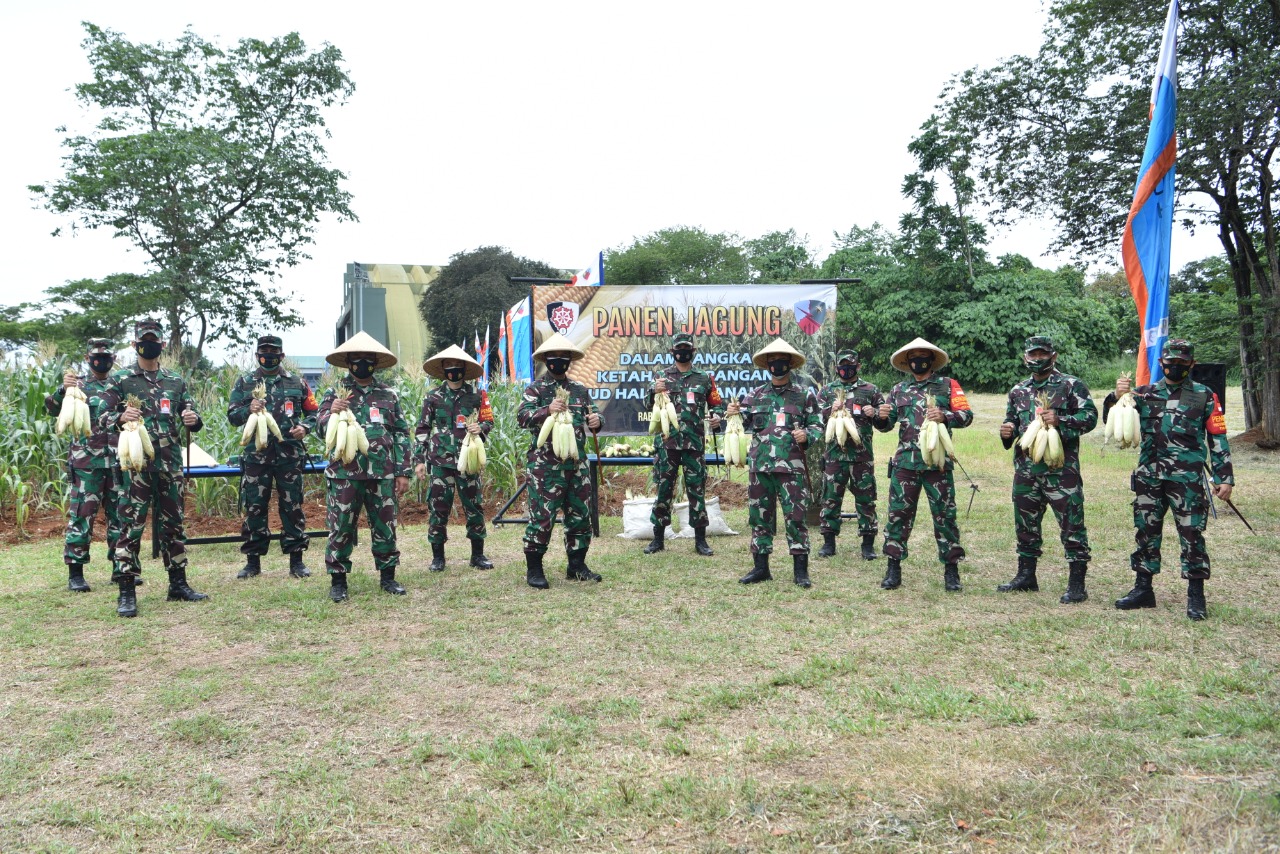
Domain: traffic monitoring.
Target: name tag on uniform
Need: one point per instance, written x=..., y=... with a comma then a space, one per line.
x=460, y=421
x=780, y=419
x=690, y=397
x=288, y=408
x=375, y=415
x=164, y=406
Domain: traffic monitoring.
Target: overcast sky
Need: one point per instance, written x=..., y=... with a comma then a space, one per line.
x=556, y=129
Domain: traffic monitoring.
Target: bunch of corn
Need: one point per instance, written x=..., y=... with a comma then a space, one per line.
x=736, y=441
x=664, y=417
x=135, y=442
x=558, y=429
x=1042, y=442
x=74, y=415
x=841, y=428
x=645, y=451
x=1124, y=424
x=472, y=457
x=935, y=445
x=260, y=424
x=344, y=437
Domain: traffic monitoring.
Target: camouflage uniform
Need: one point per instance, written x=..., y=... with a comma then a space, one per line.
x=441, y=428
x=776, y=463
x=368, y=481
x=850, y=466
x=908, y=401
x=694, y=395
x=290, y=401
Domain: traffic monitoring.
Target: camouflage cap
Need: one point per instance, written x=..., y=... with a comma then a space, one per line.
x=682, y=339
x=1038, y=342
x=1178, y=348
x=848, y=356
x=148, y=326
x=100, y=345
x=270, y=341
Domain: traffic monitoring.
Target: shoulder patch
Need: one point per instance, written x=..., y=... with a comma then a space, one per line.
x=1217, y=425
x=958, y=399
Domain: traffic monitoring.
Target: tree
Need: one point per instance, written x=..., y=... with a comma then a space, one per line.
x=474, y=289
x=780, y=256
x=679, y=256
x=1061, y=134
x=83, y=309
x=211, y=162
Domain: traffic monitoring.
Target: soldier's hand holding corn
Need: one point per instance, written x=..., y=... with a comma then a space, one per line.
x=659, y=386
x=557, y=405
x=70, y=380
x=257, y=404
x=933, y=413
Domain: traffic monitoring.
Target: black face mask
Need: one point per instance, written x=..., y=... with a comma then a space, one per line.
x=558, y=366
x=847, y=372
x=270, y=361
x=1176, y=373
x=683, y=355
x=920, y=366
x=148, y=349
x=453, y=375
x=362, y=369
x=101, y=364
x=1039, y=366
x=779, y=367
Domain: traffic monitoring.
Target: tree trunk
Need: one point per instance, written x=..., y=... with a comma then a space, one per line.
x=1249, y=368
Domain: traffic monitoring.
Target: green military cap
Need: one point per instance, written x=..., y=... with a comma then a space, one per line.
x=270, y=341
x=1178, y=348
x=848, y=356
x=99, y=345
x=682, y=339
x=1038, y=342
x=148, y=326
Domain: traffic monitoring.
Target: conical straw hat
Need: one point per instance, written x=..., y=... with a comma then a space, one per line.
x=899, y=359
x=557, y=343
x=471, y=369
x=761, y=358
x=364, y=343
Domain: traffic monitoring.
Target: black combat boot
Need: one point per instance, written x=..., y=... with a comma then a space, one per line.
x=869, y=546
x=1196, y=607
x=800, y=571
x=252, y=567
x=533, y=571
x=951, y=578
x=389, y=584
x=297, y=568
x=478, y=560
x=1141, y=596
x=892, y=575
x=127, y=602
x=578, y=569
x=1075, y=584
x=759, y=572
x=437, y=557
x=700, y=541
x=1025, y=579
x=658, y=543
x=338, y=586
x=828, y=545
x=75, y=578
x=180, y=590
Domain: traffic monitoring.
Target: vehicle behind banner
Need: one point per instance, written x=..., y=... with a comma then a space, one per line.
x=626, y=333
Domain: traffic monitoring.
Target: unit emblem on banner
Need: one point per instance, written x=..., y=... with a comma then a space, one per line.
x=810, y=315
x=563, y=316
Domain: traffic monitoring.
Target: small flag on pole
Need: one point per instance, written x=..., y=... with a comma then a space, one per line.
x=592, y=275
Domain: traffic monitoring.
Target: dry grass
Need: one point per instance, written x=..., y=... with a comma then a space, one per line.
x=665, y=709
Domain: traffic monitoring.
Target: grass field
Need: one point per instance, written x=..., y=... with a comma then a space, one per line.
x=665, y=709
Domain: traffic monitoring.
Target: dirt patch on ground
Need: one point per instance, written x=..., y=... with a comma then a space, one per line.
x=1254, y=437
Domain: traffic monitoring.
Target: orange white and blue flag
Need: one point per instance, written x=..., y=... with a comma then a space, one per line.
x=1148, y=232
x=593, y=275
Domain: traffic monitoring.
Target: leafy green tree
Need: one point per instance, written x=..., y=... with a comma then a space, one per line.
x=780, y=256
x=1061, y=134
x=77, y=311
x=679, y=256
x=473, y=290
x=211, y=161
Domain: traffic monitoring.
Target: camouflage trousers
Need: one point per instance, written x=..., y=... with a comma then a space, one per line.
x=255, y=499
x=860, y=479
x=904, y=495
x=559, y=489
x=1190, y=506
x=666, y=462
x=764, y=491
x=91, y=489
x=136, y=494
x=346, y=499
x=1063, y=492
x=444, y=482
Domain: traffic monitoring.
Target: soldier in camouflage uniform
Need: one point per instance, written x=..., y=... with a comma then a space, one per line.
x=167, y=412
x=909, y=404
x=374, y=481
x=693, y=393
x=850, y=466
x=1035, y=485
x=291, y=403
x=441, y=429
x=91, y=464
x=785, y=419
x=556, y=484
x=1182, y=424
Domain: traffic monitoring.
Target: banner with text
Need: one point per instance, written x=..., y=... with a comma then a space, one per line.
x=626, y=333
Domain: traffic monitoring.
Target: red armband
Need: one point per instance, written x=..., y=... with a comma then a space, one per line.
x=486, y=411
x=958, y=400
x=309, y=402
x=1217, y=421
x=713, y=397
